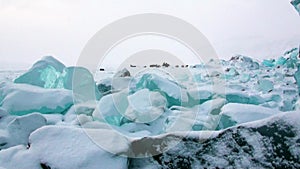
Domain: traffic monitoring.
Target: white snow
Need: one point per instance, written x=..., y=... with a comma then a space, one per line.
x=145, y=106
x=60, y=147
x=147, y=114
x=23, y=99
x=112, y=107
x=242, y=113
x=3, y=112
x=21, y=127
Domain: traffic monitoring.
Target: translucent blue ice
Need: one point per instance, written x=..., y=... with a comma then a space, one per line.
x=268, y=63
x=296, y=4
x=43, y=73
x=265, y=85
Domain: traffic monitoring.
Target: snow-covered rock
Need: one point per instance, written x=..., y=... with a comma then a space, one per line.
x=122, y=73
x=243, y=62
x=105, y=86
x=269, y=143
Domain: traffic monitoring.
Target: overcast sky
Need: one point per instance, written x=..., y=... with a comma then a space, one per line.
x=35, y=28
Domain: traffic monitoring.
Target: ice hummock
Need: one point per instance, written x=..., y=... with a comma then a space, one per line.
x=60, y=147
x=50, y=73
x=174, y=93
x=18, y=130
x=144, y=113
x=242, y=113
x=20, y=99
x=43, y=73
x=145, y=106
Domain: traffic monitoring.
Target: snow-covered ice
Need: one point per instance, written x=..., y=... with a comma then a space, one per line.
x=243, y=115
x=19, y=99
x=60, y=147
x=296, y=4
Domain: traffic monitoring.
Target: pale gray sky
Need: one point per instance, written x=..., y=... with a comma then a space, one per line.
x=35, y=28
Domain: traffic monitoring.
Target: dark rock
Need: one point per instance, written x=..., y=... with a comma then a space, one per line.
x=123, y=73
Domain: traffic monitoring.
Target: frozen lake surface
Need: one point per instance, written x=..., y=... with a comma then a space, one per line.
x=239, y=113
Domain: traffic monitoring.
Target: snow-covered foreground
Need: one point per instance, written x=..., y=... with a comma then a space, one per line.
x=240, y=113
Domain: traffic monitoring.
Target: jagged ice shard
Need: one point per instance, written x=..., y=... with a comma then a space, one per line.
x=64, y=110
x=296, y=4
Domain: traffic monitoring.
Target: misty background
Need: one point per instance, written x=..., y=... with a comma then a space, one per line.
x=61, y=28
